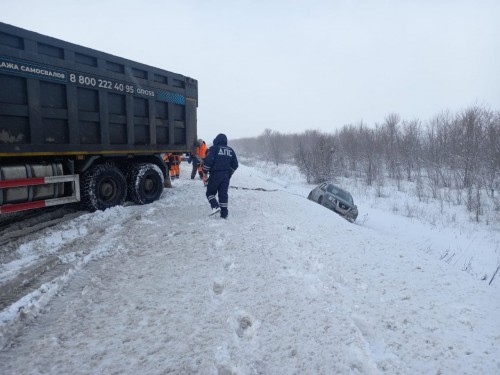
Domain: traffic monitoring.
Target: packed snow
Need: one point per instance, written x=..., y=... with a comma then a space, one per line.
x=284, y=286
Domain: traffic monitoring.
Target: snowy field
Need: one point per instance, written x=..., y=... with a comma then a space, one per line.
x=284, y=286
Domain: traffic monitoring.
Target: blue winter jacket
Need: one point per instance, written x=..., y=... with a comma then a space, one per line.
x=220, y=157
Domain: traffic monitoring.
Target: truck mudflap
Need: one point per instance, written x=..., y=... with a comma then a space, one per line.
x=23, y=182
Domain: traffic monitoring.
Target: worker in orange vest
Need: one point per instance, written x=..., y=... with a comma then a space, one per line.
x=174, y=161
x=166, y=157
x=196, y=157
x=172, y=164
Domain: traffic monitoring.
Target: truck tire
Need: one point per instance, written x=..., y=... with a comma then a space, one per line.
x=145, y=183
x=103, y=186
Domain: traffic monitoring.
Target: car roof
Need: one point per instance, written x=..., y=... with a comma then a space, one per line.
x=337, y=187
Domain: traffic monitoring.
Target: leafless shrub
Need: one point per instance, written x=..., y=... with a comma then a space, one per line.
x=441, y=204
x=409, y=210
x=458, y=197
x=419, y=189
x=379, y=188
x=433, y=179
x=433, y=220
x=274, y=143
x=496, y=202
x=314, y=156
x=379, y=192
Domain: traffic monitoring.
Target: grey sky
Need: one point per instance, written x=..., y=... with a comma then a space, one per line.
x=298, y=64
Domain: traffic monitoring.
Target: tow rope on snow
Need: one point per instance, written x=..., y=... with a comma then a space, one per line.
x=245, y=188
x=498, y=268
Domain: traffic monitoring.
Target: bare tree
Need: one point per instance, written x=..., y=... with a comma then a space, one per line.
x=437, y=150
x=349, y=146
x=469, y=126
x=410, y=147
x=370, y=159
x=273, y=141
x=303, y=154
x=492, y=155
x=314, y=155
x=391, y=139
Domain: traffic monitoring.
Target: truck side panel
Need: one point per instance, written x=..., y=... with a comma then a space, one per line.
x=60, y=98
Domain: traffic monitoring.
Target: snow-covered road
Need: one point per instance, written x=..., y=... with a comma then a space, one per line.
x=282, y=287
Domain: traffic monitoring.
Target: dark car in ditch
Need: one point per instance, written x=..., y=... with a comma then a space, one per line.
x=336, y=199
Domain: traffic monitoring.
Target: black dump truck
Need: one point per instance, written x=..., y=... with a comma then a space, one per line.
x=77, y=124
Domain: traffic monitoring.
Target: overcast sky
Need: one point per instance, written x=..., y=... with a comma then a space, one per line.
x=298, y=64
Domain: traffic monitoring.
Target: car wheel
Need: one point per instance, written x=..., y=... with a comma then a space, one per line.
x=310, y=196
x=320, y=200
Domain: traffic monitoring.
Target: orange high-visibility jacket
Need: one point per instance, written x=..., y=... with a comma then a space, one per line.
x=176, y=159
x=201, y=150
x=172, y=158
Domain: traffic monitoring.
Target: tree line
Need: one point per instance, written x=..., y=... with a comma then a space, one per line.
x=459, y=151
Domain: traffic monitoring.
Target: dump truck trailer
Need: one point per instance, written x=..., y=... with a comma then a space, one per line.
x=80, y=125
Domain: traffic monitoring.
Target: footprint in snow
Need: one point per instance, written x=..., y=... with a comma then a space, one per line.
x=245, y=322
x=218, y=287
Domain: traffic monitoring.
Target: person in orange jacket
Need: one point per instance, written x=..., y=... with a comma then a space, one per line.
x=175, y=165
x=197, y=156
x=173, y=161
x=165, y=157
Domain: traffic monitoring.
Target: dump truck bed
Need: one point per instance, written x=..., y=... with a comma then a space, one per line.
x=59, y=98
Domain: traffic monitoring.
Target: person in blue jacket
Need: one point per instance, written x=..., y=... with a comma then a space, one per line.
x=220, y=162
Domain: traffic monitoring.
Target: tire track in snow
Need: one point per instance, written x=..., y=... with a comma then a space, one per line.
x=23, y=300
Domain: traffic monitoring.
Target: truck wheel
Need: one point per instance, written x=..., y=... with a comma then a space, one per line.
x=145, y=183
x=103, y=186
